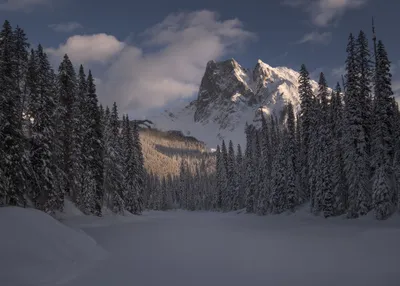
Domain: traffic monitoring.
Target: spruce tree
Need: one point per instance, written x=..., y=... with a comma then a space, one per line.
x=355, y=139
x=292, y=181
x=129, y=167
x=250, y=179
x=93, y=138
x=67, y=88
x=306, y=104
x=139, y=168
x=383, y=191
x=12, y=143
x=42, y=106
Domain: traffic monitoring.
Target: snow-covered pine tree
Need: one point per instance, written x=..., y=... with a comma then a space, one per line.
x=40, y=83
x=325, y=200
x=232, y=198
x=83, y=196
x=307, y=128
x=279, y=180
x=250, y=167
x=12, y=142
x=113, y=162
x=265, y=167
x=364, y=80
x=339, y=186
x=312, y=158
x=383, y=194
x=241, y=176
x=139, y=169
x=20, y=54
x=259, y=183
x=95, y=150
x=292, y=182
x=355, y=141
x=222, y=182
x=129, y=167
x=67, y=86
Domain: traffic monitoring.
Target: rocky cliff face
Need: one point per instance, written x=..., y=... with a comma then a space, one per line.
x=229, y=96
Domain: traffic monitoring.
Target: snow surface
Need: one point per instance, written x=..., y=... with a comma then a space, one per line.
x=36, y=249
x=198, y=248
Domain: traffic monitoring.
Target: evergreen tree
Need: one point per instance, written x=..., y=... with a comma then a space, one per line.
x=383, y=192
x=355, y=139
x=129, y=167
x=339, y=187
x=306, y=97
x=250, y=179
x=239, y=197
x=232, y=197
x=13, y=185
x=67, y=99
x=95, y=150
x=42, y=106
x=292, y=178
x=139, y=168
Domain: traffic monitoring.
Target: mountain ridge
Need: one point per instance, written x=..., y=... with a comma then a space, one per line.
x=231, y=95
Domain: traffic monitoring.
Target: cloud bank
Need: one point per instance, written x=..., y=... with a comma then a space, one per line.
x=325, y=12
x=167, y=65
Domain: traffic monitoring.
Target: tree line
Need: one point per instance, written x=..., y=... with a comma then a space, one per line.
x=340, y=154
x=56, y=141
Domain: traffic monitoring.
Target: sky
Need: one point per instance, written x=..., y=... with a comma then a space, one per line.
x=146, y=56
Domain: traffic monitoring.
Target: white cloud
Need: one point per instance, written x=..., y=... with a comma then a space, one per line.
x=185, y=42
x=14, y=5
x=66, y=27
x=88, y=48
x=324, y=12
x=316, y=38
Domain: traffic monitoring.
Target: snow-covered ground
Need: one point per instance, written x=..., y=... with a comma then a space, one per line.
x=204, y=248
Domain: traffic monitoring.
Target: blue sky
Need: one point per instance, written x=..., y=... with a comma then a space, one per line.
x=148, y=54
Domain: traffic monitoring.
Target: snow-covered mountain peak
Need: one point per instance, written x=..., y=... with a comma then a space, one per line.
x=231, y=95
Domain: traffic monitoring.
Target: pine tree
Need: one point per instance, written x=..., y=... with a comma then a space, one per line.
x=250, y=179
x=265, y=168
x=324, y=195
x=42, y=105
x=129, y=167
x=355, y=139
x=292, y=178
x=339, y=186
x=139, y=168
x=113, y=162
x=20, y=54
x=222, y=183
x=239, y=197
x=232, y=198
x=13, y=185
x=67, y=99
x=279, y=186
x=93, y=138
x=306, y=97
x=383, y=192
x=83, y=196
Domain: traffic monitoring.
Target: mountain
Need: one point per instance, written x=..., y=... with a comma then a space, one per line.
x=229, y=96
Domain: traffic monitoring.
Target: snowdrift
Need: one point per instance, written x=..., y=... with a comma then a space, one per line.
x=36, y=249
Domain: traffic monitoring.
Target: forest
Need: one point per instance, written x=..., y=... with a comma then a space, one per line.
x=340, y=155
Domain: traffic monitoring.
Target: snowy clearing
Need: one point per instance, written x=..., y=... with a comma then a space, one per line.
x=36, y=249
x=205, y=248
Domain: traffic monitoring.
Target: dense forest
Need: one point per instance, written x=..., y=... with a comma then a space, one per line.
x=340, y=154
